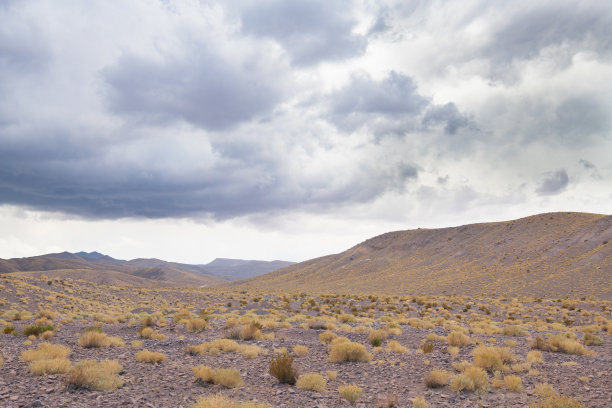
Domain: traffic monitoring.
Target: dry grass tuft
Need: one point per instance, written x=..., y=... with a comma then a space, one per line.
x=327, y=337
x=471, y=379
x=96, y=376
x=351, y=393
x=300, y=350
x=312, y=382
x=558, y=401
x=146, y=356
x=196, y=325
x=458, y=339
x=349, y=351
x=436, y=378
x=394, y=346
x=228, y=377
x=513, y=383
x=46, y=351
x=52, y=366
x=282, y=369
x=420, y=402
x=220, y=401
x=559, y=343
x=492, y=358
x=94, y=339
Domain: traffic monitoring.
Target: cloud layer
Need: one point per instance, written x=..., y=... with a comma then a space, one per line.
x=185, y=109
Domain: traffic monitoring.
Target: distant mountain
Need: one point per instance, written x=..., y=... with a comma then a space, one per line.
x=97, y=267
x=555, y=254
x=234, y=269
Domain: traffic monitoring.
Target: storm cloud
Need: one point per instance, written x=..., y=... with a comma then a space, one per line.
x=186, y=109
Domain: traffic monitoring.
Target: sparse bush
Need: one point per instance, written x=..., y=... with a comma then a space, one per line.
x=220, y=401
x=146, y=356
x=46, y=335
x=299, y=350
x=327, y=337
x=535, y=357
x=436, y=378
x=592, y=340
x=196, y=325
x=94, y=339
x=471, y=379
x=559, y=343
x=428, y=347
x=394, y=346
x=458, y=339
x=420, y=402
x=558, y=401
x=351, y=393
x=228, y=377
x=282, y=368
x=96, y=376
x=492, y=358
x=349, y=351
x=514, y=330
x=182, y=314
x=52, y=366
x=545, y=390
x=204, y=374
x=312, y=382
x=36, y=330
x=513, y=383
x=332, y=375
x=46, y=351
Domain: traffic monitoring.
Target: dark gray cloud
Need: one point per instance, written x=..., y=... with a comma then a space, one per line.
x=311, y=31
x=447, y=115
x=391, y=105
x=554, y=183
x=200, y=86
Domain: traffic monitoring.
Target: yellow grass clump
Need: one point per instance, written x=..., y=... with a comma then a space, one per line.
x=300, y=350
x=146, y=356
x=559, y=343
x=227, y=377
x=513, y=383
x=458, y=339
x=196, y=325
x=51, y=366
x=97, y=376
x=46, y=351
x=558, y=401
x=220, y=401
x=492, y=358
x=420, y=402
x=436, y=378
x=94, y=339
x=471, y=379
x=327, y=337
x=394, y=346
x=351, y=393
x=312, y=382
x=349, y=351
x=332, y=375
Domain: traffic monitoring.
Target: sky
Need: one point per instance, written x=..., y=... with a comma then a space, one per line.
x=268, y=129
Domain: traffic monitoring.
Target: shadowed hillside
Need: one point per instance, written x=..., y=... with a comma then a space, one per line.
x=554, y=254
x=233, y=269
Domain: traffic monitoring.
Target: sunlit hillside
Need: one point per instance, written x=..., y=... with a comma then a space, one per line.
x=556, y=254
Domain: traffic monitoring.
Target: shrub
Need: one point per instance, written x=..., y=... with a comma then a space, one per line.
x=332, y=375
x=245, y=332
x=492, y=358
x=300, y=350
x=228, y=377
x=349, y=351
x=458, y=339
x=96, y=376
x=472, y=379
x=428, y=347
x=514, y=330
x=204, y=374
x=9, y=330
x=94, y=339
x=545, y=390
x=376, y=337
x=36, y=330
x=351, y=393
x=558, y=401
x=146, y=356
x=535, y=357
x=182, y=314
x=220, y=401
x=436, y=378
x=559, y=343
x=196, y=325
x=327, y=337
x=52, y=366
x=282, y=368
x=46, y=351
x=592, y=340
x=312, y=382
x=513, y=383
x=420, y=402
x=395, y=347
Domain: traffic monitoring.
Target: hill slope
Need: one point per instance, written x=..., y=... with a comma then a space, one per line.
x=554, y=254
x=233, y=269
x=100, y=268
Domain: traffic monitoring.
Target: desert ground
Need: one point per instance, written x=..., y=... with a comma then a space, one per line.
x=216, y=348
